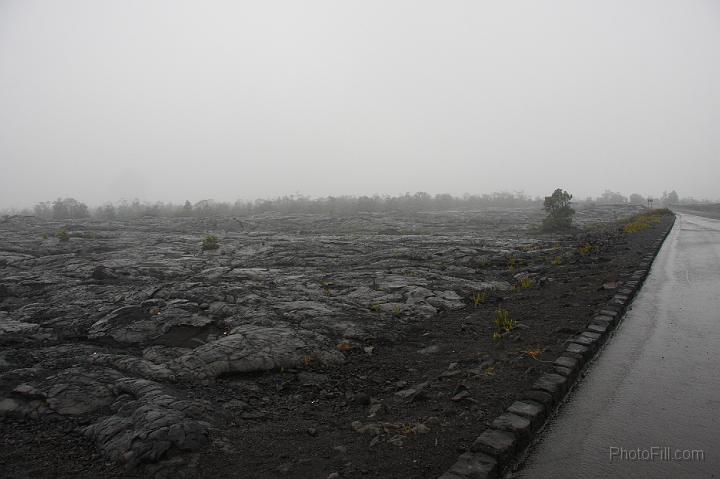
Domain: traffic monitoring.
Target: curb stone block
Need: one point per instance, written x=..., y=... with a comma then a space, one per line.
x=552, y=383
x=579, y=357
x=518, y=425
x=589, y=343
x=472, y=465
x=498, y=444
x=596, y=335
x=618, y=301
x=576, y=350
x=540, y=397
x=605, y=323
x=533, y=411
x=613, y=306
x=606, y=318
x=591, y=335
x=567, y=362
x=567, y=372
x=600, y=327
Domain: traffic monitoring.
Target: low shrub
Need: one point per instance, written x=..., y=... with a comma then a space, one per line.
x=210, y=242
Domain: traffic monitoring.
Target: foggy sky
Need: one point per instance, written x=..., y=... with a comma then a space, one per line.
x=173, y=100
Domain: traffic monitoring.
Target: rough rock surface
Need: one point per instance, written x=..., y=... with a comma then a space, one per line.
x=113, y=329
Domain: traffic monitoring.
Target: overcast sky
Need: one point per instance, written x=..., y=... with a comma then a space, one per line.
x=173, y=100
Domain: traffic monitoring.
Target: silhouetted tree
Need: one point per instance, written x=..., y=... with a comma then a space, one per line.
x=610, y=197
x=69, y=208
x=43, y=210
x=106, y=212
x=637, y=199
x=560, y=213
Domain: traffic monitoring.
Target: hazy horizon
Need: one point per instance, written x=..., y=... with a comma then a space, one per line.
x=175, y=100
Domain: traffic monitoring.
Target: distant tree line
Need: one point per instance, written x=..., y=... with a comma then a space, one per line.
x=69, y=208
x=333, y=205
x=667, y=199
x=61, y=209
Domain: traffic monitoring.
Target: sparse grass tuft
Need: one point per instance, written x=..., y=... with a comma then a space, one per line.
x=482, y=263
x=503, y=320
x=557, y=261
x=642, y=222
x=397, y=311
x=326, y=287
x=210, y=242
x=479, y=298
x=526, y=283
x=62, y=235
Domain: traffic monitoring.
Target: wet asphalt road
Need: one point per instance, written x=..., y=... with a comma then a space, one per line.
x=656, y=385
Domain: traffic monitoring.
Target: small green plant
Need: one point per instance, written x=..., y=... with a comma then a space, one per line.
x=210, y=242
x=479, y=298
x=397, y=311
x=326, y=287
x=503, y=320
x=375, y=308
x=512, y=263
x=557, y=261
x=62, y=235
x=482, y=263
x=496, y=336
x=526, y=283
x=44, y=236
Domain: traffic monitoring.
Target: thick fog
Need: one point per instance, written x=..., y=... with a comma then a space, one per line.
x=173, y=100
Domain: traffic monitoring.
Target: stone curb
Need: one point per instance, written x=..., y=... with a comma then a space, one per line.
x=504, y=442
